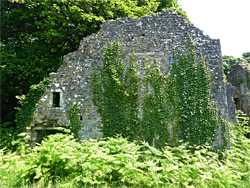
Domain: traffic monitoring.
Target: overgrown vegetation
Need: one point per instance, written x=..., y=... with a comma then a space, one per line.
x=61, y=161
x=197, y=115
x=29, y=104
x=25, y=115
x=75, y=124
x=116, y=94
x=177, y=102
x=248, y=79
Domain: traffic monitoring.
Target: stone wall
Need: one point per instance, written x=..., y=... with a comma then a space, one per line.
x=239, y=77
x=149, y=37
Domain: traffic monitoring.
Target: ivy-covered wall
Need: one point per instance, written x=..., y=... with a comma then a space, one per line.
x=148, y=38
x=175, y=106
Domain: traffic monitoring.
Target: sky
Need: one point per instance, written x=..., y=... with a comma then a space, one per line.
x=227, y=20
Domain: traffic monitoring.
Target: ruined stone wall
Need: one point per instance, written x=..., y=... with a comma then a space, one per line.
x=150, y=37
x=239, y=77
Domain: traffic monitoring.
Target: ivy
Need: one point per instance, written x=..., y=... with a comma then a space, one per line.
x=155, y=116
x=28, y=104
x=248, y=79
x=75, y=124
x=116, y=94
x=174, y=106
x=197, y=115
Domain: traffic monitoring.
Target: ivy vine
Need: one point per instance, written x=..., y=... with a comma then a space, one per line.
x=75, y=124
x=197, y=115
x=28, y=104
x=174, y=106
x=116, y=94
x=155, y=110
x=248, y=79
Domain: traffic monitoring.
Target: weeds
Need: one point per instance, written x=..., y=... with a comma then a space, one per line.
x=61, y=161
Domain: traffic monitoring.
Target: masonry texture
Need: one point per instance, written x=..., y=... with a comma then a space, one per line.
x=239, y=77
x=150, y=37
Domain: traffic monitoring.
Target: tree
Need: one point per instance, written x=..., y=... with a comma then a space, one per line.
x=246, y=56
x=173, y=5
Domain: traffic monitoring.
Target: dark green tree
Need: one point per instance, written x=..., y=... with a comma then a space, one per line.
x=167, y=4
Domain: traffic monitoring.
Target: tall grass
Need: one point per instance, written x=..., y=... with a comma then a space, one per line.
x=61, y=161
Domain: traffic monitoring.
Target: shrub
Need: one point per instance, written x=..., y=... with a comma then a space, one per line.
x=61, y=161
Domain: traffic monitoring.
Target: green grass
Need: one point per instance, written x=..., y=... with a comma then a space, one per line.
x=60, y=161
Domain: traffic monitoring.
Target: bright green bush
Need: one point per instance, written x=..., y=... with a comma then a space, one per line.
x=115, y=162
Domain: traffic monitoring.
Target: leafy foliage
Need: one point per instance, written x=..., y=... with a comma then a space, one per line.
x=246, y=56
x=155, y=107
x=28, y=104
x=116, y=94
x=248, y=79
x=61, y=161
x=229, y=62
x=167, y=4
x=75, y=124
x=196, y=113
x=7, y=135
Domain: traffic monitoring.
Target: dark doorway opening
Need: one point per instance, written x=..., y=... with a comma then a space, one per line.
x=42, y=134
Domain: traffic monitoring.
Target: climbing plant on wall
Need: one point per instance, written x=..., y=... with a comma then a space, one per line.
x=197, y=115
x=116, y=94
x=74, y=118
x=248, y=79
x=176, y=105
x=28, y=104
x=154, y=109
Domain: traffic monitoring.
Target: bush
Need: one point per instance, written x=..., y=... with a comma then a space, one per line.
x=114, y=162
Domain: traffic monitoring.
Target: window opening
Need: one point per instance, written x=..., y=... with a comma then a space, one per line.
x=237, y=103
x=56, y=99
x=171, y=60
